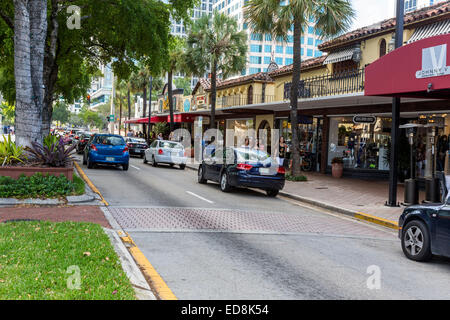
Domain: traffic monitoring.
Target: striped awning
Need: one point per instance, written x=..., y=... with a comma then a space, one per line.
x=339, y=56
x=431, y=30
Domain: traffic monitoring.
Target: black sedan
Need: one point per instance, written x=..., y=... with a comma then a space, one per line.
x=136, y=146
x=82, y=141
x=425, y=230
x=242, y=167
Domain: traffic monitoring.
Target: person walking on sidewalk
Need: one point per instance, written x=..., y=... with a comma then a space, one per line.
x=282, y=150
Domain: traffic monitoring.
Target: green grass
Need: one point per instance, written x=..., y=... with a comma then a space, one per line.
x=35, y=257
x=295, y=179
x=79, y=186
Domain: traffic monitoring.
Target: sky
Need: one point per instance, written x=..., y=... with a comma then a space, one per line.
x=371, y=11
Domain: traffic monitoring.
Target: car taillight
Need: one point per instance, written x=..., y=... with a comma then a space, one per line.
x=244, y=166
x=160, y=151
x=93, y=147
x=77, y=137
x=125, y=149
x=281, y=170
x=83, y=141
x=129, y=145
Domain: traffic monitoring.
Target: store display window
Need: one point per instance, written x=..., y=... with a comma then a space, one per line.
x=361, y=145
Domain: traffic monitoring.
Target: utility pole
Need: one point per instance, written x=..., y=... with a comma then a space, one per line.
x=395, y=131
x=113, y=94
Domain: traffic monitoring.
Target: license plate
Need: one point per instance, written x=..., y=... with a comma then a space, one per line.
x=109, y=159
x=264, y=171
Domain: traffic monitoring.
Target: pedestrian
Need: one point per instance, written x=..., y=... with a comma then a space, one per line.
x=160, y=136
x=130, y=134
x=171, y=136
x=282, y=149
x=246, y=142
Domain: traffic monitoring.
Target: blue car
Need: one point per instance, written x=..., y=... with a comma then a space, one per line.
x=107, y=149
x=425, y=229
x=242, y=167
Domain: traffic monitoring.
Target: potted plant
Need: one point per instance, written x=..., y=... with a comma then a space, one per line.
x=337, y=167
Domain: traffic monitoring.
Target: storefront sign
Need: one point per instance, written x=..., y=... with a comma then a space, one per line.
x=364, y=119
x=434, y=62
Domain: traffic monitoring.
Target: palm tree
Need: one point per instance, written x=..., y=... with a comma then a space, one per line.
x=139, y=82
x=215, y=43
x=175, y=63
x=121, y=93
x=277, y=18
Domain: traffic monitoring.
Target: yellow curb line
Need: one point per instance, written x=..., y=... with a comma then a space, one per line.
x=88, y=181
x=157, y=283
x=377, y=220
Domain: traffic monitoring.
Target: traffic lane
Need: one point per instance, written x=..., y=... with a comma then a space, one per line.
x=247, y=266
x=209, y=195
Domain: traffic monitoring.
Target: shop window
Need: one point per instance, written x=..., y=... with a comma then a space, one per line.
x=345, y=67
x=382, y=48
x=360, y=145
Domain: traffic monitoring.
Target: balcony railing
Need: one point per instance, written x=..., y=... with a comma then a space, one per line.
x=242, y=100
x=328, y=85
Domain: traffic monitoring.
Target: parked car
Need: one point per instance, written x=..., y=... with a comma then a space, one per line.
x=167, y=152
x=82, y=141
x=424, y=229
x=136, y=146
x=242, y=167
x=108, y=149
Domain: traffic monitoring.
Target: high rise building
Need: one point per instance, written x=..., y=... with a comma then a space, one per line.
x=411, y=5
x=262, y=47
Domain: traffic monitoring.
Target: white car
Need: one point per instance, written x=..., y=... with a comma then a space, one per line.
x=168, y=152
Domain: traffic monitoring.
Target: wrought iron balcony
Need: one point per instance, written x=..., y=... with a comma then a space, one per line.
x=242, y=100
x=328, y=85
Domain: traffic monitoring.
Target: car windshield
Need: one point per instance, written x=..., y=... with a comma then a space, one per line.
x=171, y=145
x=251, y=155
x=110, y=140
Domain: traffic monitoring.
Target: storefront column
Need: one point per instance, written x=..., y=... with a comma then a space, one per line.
x=324, y=147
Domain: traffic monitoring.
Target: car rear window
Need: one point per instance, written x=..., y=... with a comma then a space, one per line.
x=110, y=140
x=137, y=141
x=252, y=155
x=171, y=145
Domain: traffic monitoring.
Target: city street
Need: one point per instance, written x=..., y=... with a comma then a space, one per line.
x=207, y=244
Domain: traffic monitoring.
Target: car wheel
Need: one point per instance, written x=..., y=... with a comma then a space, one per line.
x=145, y=159
x=182, y=166
x=200, y=176
x=90, y=164
x=272, y=193
x=154, y=163
x=224, y=184
x=125, y=167
x=416, y=244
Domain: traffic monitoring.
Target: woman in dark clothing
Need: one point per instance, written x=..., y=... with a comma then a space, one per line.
x=282, y=149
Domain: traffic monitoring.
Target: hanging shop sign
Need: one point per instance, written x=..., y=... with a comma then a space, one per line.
x=364, y=119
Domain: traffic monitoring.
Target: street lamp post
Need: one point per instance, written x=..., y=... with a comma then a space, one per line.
x=149, y=111
x=395, y=132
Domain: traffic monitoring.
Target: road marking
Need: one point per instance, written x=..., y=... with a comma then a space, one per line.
x=157, y=283
x=200, y=197
x=89, y=182
x=135, y=167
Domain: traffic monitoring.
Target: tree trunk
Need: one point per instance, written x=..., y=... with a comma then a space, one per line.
x=129, y=109
x=50, y=68
x=170, y=92
x=30, y=29
x=213, y=94
x=294, y=99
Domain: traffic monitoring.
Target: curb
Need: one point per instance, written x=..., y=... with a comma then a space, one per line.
x=158, y=286
x=89, y=182
x=354, y=214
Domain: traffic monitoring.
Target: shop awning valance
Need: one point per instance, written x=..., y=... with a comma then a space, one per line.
x=431, y=30
x=339, y=56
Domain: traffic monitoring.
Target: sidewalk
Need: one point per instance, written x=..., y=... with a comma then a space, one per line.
x=362, y=199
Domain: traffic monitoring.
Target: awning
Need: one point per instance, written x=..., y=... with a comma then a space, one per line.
x=420, y=69
x=154, y=119
x=177, y=117
x=431, y=30
x=339, y=56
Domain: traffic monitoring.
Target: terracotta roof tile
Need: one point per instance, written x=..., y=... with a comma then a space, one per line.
x=306, y=64
x=412, y=17
x=206, y=83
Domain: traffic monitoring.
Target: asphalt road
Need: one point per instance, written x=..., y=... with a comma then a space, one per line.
x=207, y=244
